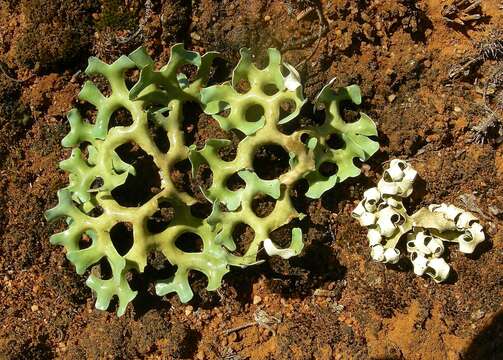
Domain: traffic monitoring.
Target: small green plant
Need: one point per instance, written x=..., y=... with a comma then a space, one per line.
x=160, y=96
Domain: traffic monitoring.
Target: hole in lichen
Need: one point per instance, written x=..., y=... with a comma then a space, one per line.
x=349, y=111
x=189, y=242
x=225, y=109
x=204, y=176
x=202, y=297
x=254, y=113
x=286, y=108
x=97, y=183
x=101, y=82
x=261, y=60
x=191, y=112
x=181, y=174
x=140, y=188
x=243, y=235
x=298, y=195
x=234, y=182
x=243, y=86
x=85, y=241
x=87, y=111
x=284, y=70
x=96, y=211
x=282, y=236
x=304, y=138
x=120, y=117
x=122, y=237
x=399, y=220
x=319, y=116
x=102, y=269
x=358, y=163
x=201, y=210
x=220, y=72
x=159, y=135
x=430, y=271
x=163, y=269
x=160, y=220
x=228, y=153
x=131, y=76
x=271, y=161
x=263, y=205
x=190, y=72
x=328, y=169
x=335, y=142
x=83, y=146
x=270, y=89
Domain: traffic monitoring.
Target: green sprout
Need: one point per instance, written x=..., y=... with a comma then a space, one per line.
x=160, y=95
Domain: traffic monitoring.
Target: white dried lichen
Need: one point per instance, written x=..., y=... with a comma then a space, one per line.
x=382, y=212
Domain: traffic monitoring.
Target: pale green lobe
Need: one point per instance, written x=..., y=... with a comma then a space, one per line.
x=354, y=136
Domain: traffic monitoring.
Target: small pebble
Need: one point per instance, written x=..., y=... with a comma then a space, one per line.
x=495, y=210
x=188, y=310
x=256, y=300
x=478, y=314
x=232, y=337
x=391, y=98
x=267, y=18
x=323, y=292
x=457, y=109
x=34, y=308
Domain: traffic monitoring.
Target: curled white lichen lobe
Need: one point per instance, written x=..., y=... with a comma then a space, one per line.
x=382, y=212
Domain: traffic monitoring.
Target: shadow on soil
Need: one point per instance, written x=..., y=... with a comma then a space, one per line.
x=489, y=343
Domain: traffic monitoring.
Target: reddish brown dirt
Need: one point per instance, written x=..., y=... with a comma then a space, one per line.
x=399, y=52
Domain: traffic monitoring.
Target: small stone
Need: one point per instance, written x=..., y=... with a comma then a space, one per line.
x=267, y=18
x=338, y=308
x=494, y=210
x=478, y=314
x=256, y=300
x=195, y=36
x=188, y=310
x=391, y=98
x=34, y=308
x=457, y=109
x=323, y=292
